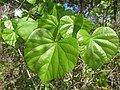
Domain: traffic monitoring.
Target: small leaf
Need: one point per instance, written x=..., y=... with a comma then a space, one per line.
x=99, y=48
x=48, y=22
x=83, y=36
x=59, y=11
x=70, y=25
x=31, y=1
x=45, y=8
x=66, y=25
x=78, y=22
x=82, y=23
x=48, y=58
x=87, y=24
x=9, y=36
x=54, y=12
x=8, y=24
x=26, y=26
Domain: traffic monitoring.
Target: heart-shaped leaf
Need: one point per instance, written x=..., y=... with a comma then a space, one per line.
x=48, y=22
x=48, y=58
x=70, y=25
x=26, y=26
x=66, y=25
x=9, y=36
x=99, y=48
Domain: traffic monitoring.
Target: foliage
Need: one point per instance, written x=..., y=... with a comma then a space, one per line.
x=25, y=27
x=98, y=48
x=31, y=1
x=48, y=58
x=53, y=40
x=50, y=55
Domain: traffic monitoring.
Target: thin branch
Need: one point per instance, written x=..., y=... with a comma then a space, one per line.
x=28, y=71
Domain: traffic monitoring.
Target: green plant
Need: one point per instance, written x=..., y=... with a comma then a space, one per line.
x=53, y=44
x=31, y=1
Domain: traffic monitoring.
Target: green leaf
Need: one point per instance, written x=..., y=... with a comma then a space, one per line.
x=44, y=8
x=70, y=25
x=105, y=3
x=8, y=24
x=10, y=37
x=66, y=25
x=54, y=12
x=78, y=22
x=26, y=26
x=83, y=36
x=87, y=24
x=48, y=58
x=81, y=23
x=31, y=1
x=99, y=48
x=48, y=22
x=59, y=11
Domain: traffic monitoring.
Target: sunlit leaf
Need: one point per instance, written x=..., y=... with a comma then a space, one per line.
x=8, y=24
x=66, y=25
x=31, y=1
x=70, y=25
x=87, y=24
x=78, y=22
x=99, y=48
x=48, y=22
x=9, y=36
x=26, y=26
x=48, y=58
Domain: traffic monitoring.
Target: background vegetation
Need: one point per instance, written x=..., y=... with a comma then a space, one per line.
x=14, y=73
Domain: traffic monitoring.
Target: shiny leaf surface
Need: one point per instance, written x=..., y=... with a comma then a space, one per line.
x=48, y=58
x=99, y=48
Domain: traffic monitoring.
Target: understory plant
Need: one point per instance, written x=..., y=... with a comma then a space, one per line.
x=53, y=42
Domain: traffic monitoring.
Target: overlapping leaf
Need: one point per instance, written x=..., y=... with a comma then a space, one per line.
x=66, y=25
x=48, y=58
x=87, y=24
x=59, y=11
x=26, y=26
x=99, y=48
x=82, y=23
x=70, y=25
x=78, y=22
x=9, y=36
x=49, y=22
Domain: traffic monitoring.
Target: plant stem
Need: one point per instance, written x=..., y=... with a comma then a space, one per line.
x=28, y=71
x=21, y=4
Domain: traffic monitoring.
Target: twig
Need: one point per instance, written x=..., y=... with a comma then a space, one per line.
x=21, y=4
x=31, y=78
x=28, y=71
